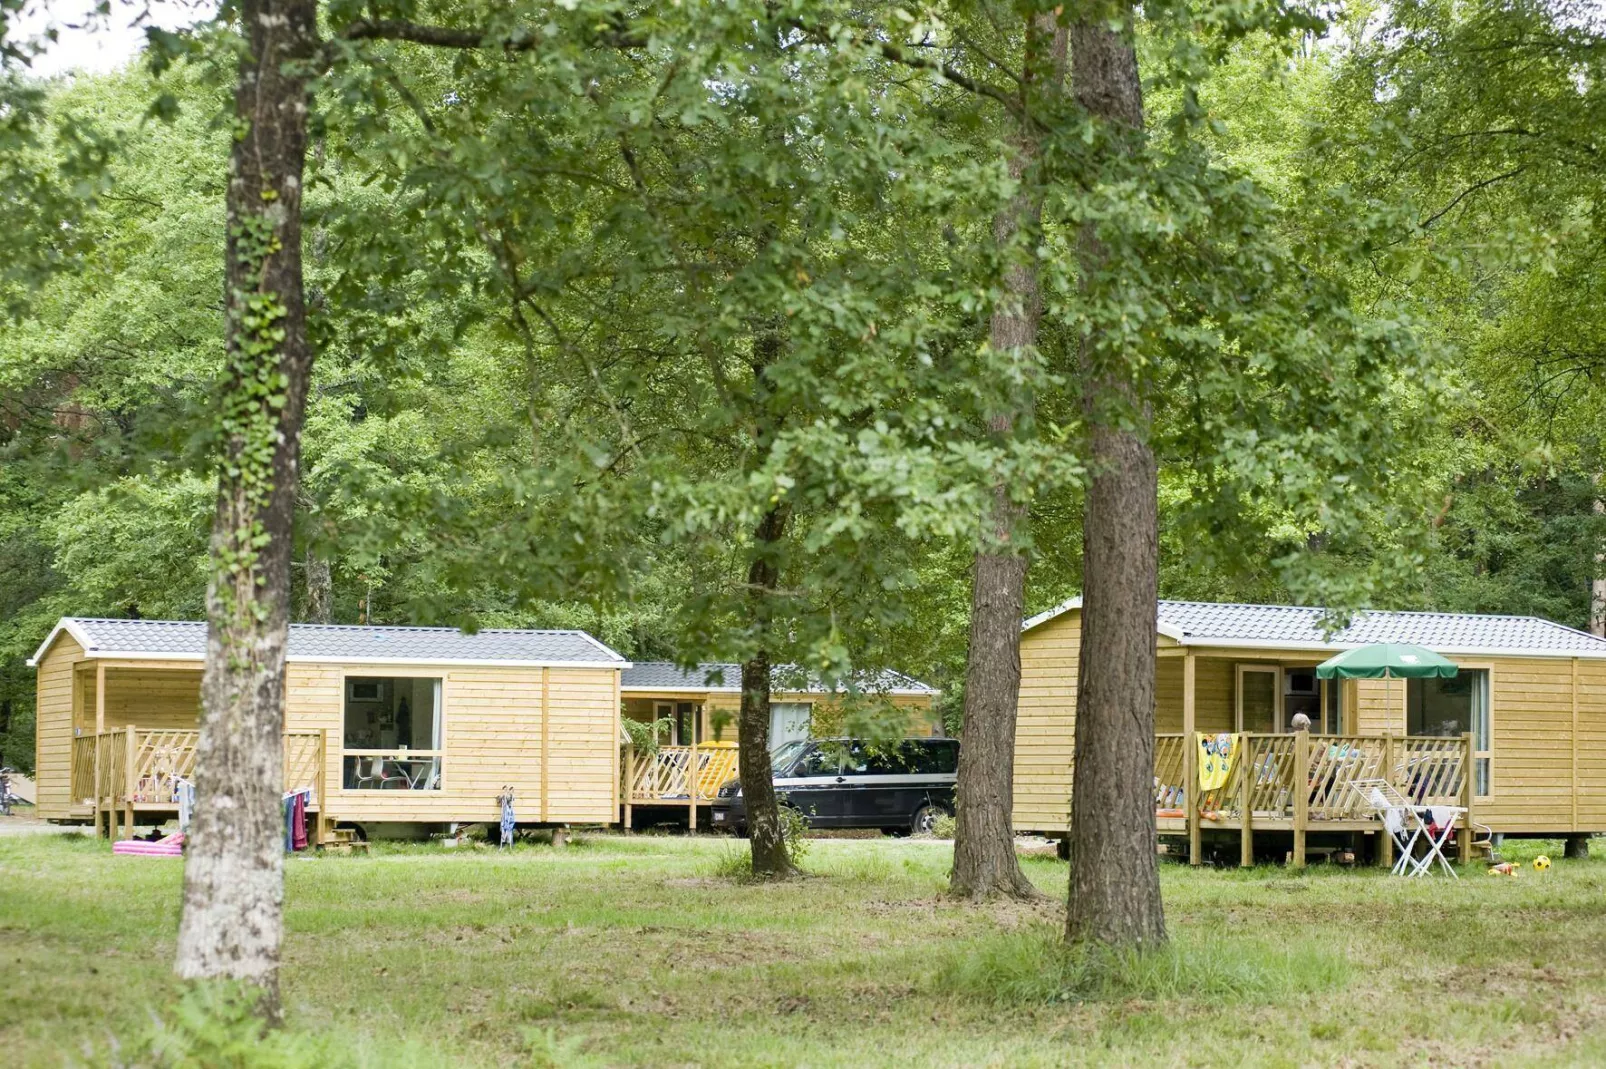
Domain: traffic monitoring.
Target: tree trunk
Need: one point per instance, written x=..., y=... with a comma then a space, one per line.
x=320, y=590
x=768, y=846
x=233, y=877
x=1114, y=878
x=984, y=836
x=770, y=856
x=1597, y=583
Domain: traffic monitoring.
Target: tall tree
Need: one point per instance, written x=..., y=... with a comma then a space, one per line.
x=233, y=875
x=984, y=843
x=1114, y=879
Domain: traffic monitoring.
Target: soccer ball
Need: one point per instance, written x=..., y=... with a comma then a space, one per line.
x=1541, y=862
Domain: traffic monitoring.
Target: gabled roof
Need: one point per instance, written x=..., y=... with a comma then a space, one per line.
x=1198, y=623
x=720, y=678
x=185, y=640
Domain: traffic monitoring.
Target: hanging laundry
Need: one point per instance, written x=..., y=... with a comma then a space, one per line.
x=1216, y=754
x=186, y=803
x=505, y=800
x=298, y=821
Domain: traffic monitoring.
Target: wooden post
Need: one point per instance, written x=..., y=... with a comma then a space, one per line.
x=1301, y=794
x=691, y=780
x=630, y=780
x=1463, y=840
x=129, y=779
x=1190, y=761
x=1385, y=841
x=1246, y=795
x=546, y=737
x=322, y=782
x=100, y=696
x=94, y=786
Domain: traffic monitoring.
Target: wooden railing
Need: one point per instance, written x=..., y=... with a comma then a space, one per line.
x=82, y=784
x=680, y=773
x=134, y=765
x=1321, y=781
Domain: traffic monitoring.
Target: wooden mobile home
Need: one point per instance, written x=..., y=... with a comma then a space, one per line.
x=1518, y=737
x=695, y=710
x=382, y=724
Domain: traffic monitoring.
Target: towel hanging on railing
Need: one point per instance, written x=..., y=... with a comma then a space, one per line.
x=184, y=792
x=295, y=819
x=505, y=800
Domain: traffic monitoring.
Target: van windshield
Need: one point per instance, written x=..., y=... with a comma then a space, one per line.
x=782, y=756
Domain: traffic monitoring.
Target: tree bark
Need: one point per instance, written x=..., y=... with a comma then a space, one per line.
x=320, y=590
x=1114, y=879
x=770, y=856
x=984, y=835
x=1597, y=583
x=233, y=877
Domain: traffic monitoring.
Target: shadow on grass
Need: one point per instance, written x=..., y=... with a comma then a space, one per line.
x=1033, y=965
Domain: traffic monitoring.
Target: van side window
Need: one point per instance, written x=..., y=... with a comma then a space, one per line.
x=940, y=755
x=818, y=761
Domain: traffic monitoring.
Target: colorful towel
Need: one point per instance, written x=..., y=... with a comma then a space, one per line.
x=171, y=846
x=1216, y=754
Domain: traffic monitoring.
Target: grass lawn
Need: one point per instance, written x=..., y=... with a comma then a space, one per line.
x=635, y=952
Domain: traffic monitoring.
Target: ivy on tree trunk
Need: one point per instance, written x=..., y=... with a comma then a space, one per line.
x=233, y=876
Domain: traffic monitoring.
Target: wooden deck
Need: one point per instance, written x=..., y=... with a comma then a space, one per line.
x=135, y=770
x=676, y=776
x=1303, y=784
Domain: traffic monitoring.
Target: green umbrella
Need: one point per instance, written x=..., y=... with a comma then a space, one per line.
x=1387, y=660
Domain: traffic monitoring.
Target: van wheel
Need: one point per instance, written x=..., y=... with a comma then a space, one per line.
x=924, y=822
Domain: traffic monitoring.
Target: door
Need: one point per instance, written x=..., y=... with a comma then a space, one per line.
x=1259, y=690
x=813, y=785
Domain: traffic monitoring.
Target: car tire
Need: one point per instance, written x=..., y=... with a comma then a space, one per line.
x=924, y=820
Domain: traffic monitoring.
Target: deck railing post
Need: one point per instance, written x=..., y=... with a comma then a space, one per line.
x=1385, y=842
x=1191, y=796
x=691, y=781
x=1246, y=803
x=129, y=772
x=1301, y=794
x=1468, y=791
x=629, y=781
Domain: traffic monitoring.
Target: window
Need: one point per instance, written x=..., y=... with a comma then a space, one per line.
x=1333, y=723
x=911, y=757
x=1447, y=707
x=789, y=721
x=818, y=761
x=391, y=734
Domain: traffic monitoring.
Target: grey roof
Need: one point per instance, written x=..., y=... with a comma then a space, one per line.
x=1205, y=623
x=727, y=678
x=186, y=639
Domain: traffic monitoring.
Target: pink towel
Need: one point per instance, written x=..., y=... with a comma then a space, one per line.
x=171, y=846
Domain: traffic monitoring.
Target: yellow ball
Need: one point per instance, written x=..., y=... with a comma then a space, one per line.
x=1541, y=862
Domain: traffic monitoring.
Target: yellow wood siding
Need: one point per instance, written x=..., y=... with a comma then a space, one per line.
x=1045, y=723
x=492, y=735
x=151, y=698
x=1534, y=785
x=53, y=726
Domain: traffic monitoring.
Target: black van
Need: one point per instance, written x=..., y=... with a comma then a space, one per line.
x=899, y=786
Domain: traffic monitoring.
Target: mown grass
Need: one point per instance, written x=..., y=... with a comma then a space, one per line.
x=645, y=951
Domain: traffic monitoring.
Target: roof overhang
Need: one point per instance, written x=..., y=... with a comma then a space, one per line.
x=81, y=637
x=67, y=624
x=896, y=692
x=1071, y=605
x=1173, y=632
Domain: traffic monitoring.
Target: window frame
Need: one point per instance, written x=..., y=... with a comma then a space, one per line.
x=1486, y=752
x=395, y=672
x=1239, y=669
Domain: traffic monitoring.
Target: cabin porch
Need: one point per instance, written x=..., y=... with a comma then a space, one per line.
x=673, y=779
x=1300, y=784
